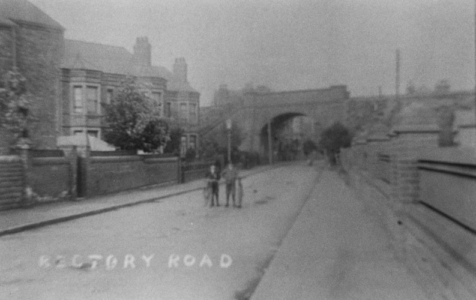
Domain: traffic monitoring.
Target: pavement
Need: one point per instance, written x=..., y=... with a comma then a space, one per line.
x=338, y=248
x=18, y=220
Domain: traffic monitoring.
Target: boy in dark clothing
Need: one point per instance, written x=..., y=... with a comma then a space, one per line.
x=212, y=181
x=230, y=174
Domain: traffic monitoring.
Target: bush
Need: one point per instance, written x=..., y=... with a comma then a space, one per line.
x=247, y=160
x=190, y=155
x=308, y=146
x=333, y=139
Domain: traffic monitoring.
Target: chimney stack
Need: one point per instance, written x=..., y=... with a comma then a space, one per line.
x=180, y=69
x=142, y=52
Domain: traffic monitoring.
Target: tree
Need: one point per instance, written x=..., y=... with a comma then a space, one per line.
x=15, y=105
x=155, y=134
x=174, y=141
x=190, y=154
x=134, y=122
x=209, y=147
x=217, y=142
x=333, y=139
x=308, y=146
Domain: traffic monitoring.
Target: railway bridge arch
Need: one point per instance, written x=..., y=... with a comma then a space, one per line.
x=261, y=111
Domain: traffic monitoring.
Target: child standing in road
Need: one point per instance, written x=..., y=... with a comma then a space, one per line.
x=230, y=174
x=212, y=183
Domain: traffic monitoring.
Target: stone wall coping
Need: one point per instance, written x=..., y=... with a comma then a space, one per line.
x=50, y=160
x=9, y=158
x=378, y=138
x=465, y=126
x=450, y=155
x=123, y=158
x=160, y=159
x=359, y=142
x=416, y=128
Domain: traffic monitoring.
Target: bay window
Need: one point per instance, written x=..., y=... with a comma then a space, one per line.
x=92, y=99
x=78, y=99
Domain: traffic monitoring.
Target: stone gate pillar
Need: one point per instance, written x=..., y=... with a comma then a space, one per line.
x=408, y=142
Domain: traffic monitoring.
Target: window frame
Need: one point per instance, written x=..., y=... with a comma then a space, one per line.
x=109, y=95
x=194, y=138
x=183, y=114
x=158, y=101
x=183, y=141
x=168, y=109
x=94, y=133
x=75, y=100
x=97, y=100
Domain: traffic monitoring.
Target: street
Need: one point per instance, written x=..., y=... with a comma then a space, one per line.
x=172, y=249
x=302, y=233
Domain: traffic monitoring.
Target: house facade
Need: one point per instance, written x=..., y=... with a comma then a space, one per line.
x=93, y=73
x=70, y=80
x=32, y=43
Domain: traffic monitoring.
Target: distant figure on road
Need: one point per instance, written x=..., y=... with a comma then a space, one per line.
x=212, y=182
x=230, y=174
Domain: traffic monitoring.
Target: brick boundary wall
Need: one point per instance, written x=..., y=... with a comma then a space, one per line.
x=448, y=183
x=447, y=247
x=50, y=175
x=11, y=181
x=405, y=147
x=52, y=179
x=37, y=176
x=195, y=170
x=100, y=175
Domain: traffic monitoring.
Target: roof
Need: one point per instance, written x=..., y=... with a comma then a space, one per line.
x=80, y=140
x=175, y=84
x=151, y=71
x=105, y=58
x=115, y=60
x=6, y=21
x=24, y=11
x=416, y=114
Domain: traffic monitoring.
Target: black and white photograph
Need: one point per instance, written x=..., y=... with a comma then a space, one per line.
x=238, y=149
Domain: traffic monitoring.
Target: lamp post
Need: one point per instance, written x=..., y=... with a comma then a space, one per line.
x=228, y=128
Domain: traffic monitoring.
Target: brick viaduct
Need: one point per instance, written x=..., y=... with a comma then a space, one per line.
x=324, y=106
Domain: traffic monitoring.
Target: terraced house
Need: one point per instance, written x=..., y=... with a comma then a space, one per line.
x=70, y=79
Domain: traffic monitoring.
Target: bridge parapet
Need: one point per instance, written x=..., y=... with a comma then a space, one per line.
x=298, y=97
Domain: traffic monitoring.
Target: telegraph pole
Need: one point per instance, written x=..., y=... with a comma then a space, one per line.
x=397, y=73
x=228, y=129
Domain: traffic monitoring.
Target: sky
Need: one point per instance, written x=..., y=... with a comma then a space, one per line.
x=288, y=44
